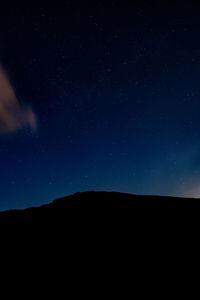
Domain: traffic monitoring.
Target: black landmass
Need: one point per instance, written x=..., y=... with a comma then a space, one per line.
x=95, y=205
x=86, y=225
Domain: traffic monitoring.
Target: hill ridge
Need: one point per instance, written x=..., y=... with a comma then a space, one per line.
x=93, y=197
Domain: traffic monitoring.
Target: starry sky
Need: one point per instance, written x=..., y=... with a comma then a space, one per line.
x=99, y=96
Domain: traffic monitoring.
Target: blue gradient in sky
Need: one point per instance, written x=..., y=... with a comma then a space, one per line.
x=117, y=102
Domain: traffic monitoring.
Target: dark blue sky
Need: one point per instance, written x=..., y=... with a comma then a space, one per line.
x=116, y=92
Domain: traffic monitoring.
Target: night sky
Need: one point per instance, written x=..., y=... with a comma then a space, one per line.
x=99, y=97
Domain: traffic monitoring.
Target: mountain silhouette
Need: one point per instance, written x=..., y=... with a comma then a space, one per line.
x=86, y=225
x=88, y=205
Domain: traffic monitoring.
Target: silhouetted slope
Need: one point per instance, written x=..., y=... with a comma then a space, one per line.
x=99, y=240
x=86, y=226
x=92, y=204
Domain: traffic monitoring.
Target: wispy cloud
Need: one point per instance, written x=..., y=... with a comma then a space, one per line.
x=13, y=115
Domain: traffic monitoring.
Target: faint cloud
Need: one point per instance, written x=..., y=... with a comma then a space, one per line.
x=13, y=115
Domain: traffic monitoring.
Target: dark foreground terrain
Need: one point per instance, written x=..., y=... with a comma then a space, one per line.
x=91, y=224
x=95, y=205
